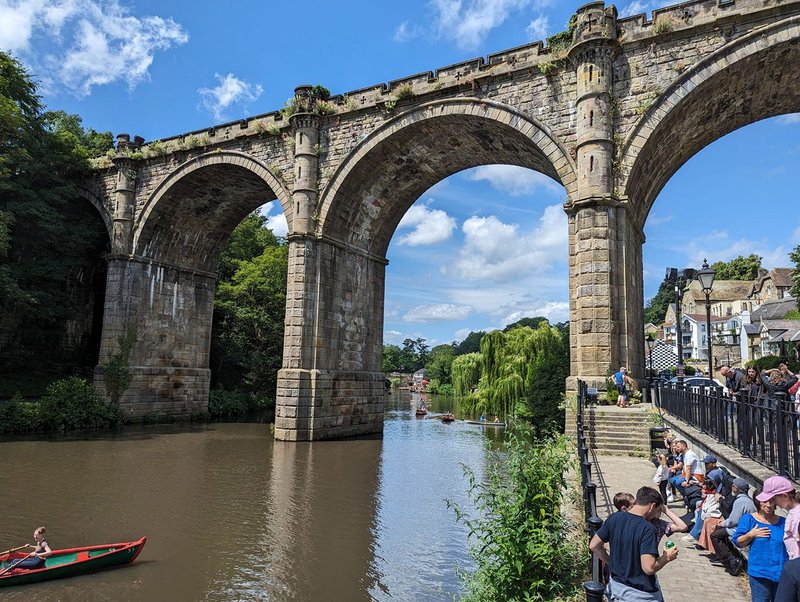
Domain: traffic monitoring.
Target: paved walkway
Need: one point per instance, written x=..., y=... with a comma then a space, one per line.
x=692, y=568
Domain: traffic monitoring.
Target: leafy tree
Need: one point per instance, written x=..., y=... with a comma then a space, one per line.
x=739, y=268
x=51, y=240
x=440, y=364
x=656, y=308
x=472, y=344
x=529, y=322
x=247, y=343
x=795, y=257
x=391, y=358
x=521, y=372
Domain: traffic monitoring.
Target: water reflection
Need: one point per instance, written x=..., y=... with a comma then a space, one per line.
x=232, y=515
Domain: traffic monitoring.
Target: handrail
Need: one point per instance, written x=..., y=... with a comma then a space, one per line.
x=762, y=428
x=595, y=587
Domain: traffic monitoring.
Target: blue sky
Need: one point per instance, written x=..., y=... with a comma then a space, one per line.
x=480, y=249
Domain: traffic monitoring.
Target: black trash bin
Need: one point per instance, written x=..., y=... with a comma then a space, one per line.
x=657, y=438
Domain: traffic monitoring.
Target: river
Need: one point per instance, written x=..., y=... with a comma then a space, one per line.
x=231, y=514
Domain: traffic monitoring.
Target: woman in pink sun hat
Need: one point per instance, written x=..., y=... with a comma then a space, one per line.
x=781, y=491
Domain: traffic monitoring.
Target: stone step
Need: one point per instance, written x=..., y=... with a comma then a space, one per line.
x=620, y=448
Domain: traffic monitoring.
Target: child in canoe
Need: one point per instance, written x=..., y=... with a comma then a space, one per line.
x=40, y=551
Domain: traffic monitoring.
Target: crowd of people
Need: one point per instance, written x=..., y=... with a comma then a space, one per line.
x=741, y=532
x=777, y=383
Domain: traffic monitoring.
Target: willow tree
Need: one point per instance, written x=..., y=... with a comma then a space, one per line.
x=520, y=372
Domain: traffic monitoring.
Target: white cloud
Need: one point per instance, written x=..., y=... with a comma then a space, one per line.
x=277, y=223
x=638, y=7
x=439, y=311
x=499, y=252
x=231, y=90
x=430, y=226
x=790, y=119
x=405, y=32
x=513, y=180
x=468, y=22
x=538, y=28
x=89, y=42
x=554, y=311
x=392, y=337
x=655, y=220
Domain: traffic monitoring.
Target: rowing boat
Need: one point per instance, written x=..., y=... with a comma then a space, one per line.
x=484, y=423
x=70, y=562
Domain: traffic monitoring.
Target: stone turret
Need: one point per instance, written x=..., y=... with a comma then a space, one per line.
x=594, y=47
x=124, y=196
x=306, y=127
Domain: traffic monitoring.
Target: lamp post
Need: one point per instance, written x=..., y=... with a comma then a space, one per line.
x=651, y=342
x=679, y=278
x=706, y=278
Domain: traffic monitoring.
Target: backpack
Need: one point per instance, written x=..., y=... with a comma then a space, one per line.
x=727, y=482
x=726, y=504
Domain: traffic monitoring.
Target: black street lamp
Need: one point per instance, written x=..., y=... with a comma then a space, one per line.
x=651, y=342
x=706, y=278
x=679, y=279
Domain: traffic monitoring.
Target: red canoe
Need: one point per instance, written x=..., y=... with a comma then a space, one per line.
x=69, y=562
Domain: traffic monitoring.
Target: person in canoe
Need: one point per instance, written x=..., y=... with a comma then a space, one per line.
x=40, y=551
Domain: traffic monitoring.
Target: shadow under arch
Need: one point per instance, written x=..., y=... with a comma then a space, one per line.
x=743, y=82
x=189, y=217
x=388, y=171
x=93, y=199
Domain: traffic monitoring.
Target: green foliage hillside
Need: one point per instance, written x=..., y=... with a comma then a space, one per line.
x=51, y=239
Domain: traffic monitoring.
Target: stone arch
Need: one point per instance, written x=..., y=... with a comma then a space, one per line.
x=383, y=176
x=190, y=215
x=87, y=194
x=742, y=82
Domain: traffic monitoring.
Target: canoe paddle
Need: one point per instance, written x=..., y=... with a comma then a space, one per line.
x=12, y=550
x=12, y=566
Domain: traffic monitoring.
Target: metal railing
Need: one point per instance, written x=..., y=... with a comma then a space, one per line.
x=594, y=588
x=764, y=429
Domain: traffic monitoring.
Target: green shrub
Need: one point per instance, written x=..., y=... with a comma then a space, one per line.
x=524, y=548
x=235, y=404
x=687, y=371
x=73, y=404
x=19, y=416
x=773, y=361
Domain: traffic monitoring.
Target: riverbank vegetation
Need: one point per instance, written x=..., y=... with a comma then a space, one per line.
x=522, y=542
x=70, y=404
x=52, y=241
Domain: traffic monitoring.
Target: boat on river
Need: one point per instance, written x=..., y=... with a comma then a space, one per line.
x=70, y=562
x=421, y=411
x=485, y=423
x=448, y=417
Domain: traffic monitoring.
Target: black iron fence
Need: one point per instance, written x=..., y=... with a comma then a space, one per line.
x=762, y=428
x=594, y=588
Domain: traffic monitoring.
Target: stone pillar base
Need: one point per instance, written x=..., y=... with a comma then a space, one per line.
x=162, y=391
x=328, y=404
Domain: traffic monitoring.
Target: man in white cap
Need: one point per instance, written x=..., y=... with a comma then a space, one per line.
x=781, y=491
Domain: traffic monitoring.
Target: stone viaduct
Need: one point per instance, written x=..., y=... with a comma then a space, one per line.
x=611, y=114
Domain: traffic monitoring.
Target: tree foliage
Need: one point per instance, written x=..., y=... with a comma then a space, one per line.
x=795, y=257
x=51, y=240
x=440, y=364
x=739, y=268
x=656, y=308
x=471, y=344
x=247, y=343
x=521, y=372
